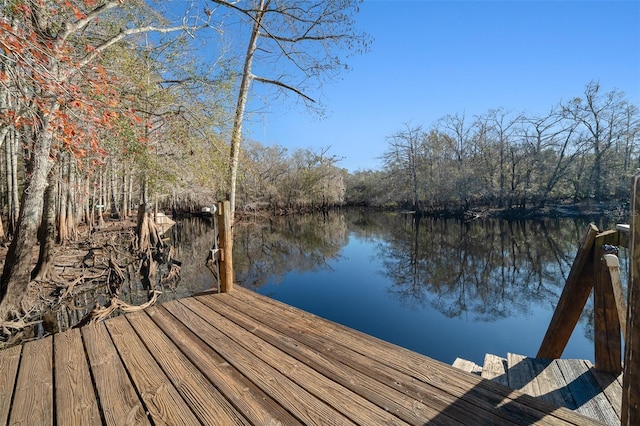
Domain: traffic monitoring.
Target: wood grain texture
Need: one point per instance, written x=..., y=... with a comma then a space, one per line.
x=613, y=263
x=33, y=400
x=76, y=402
x=586, y=391
x=289, y=394
x=540, y=378
x=611, y=386
x=9, y=361
x=255, y=405
x=468, y=366
x=425, y=373
x=119, y=401
x=161, y=399
x=522, y=375
x=203, y=398
x=413, y=401
x=495, y=369
x=226, y=246
x=384, y=399
x=606, y=325
x=631, y=378
x=349, y=403
x=242, y=358
x=574, y=296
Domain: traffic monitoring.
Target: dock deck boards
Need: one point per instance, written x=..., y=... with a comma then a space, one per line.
x=570, y=383
x=242, y=358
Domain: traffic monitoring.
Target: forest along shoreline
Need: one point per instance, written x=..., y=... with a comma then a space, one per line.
x=103, y=262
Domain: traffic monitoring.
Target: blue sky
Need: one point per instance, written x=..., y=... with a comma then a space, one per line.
x=433, y=58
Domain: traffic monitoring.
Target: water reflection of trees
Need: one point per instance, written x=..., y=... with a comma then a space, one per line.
x=489, y=268
x=266, y=252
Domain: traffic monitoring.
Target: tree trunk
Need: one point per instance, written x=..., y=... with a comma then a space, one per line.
x=113, y=196
x=47, y=231
x=247, y=78
x=72, y=205
x=17, y=268
x=63, y=235
x=146, y=230
x=130, y=191
x=12, y=182
x=101, y=201
x=86, y=207
x=125, y=200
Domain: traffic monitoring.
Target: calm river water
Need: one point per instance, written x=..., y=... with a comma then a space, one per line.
x=443, y=288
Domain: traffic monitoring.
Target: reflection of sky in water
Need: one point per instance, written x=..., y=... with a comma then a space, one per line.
x=354, y=292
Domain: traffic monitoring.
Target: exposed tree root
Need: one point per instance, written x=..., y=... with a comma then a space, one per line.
x=69, y=287
x=98, y=266
x=101, y=313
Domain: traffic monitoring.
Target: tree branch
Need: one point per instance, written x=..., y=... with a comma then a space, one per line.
x=131, y=31
x=81, y=23
x=283, y=85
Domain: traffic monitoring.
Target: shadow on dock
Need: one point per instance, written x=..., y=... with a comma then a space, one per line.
x=242, y=358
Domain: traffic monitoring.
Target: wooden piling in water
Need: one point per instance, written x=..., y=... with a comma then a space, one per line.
x=226, y=246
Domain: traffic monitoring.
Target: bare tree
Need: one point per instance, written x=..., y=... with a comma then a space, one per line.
x=599, y=117
x=302, y=41
x=404, y=160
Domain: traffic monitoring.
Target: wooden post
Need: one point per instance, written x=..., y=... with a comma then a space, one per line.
x=630, y=389
x=608, y=346
x=613, y=263
x=574, y=296
x=226, y=247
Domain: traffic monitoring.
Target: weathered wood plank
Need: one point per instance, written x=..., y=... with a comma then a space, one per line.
x=586, y=392
x=289, y=394
x=495, y=369
x=422, y=401
x=607, y=341
x=484, y=395
x=539, y=378
x=572, y=300
x=162, y=400
x=613, y=263
x=203, y=398
x=9, y=361
x=33, y=400
x=631, y=377
x=349, y=403
x=379, y=389
x=241, y=358
x=468, y=366
x=557, y=384
x=119, y=401
x=401, y=394
x=75, y=398
x=521, y=374
x=255, y=405
x=611, y=386
x=396, y=359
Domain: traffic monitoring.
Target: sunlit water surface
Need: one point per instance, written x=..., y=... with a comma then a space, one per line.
x=445, y=289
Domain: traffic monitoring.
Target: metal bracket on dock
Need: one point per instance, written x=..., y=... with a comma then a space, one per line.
x=216, y=254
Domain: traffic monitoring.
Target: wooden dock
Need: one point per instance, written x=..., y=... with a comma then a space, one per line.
x=571, y=383
x=242, y=358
